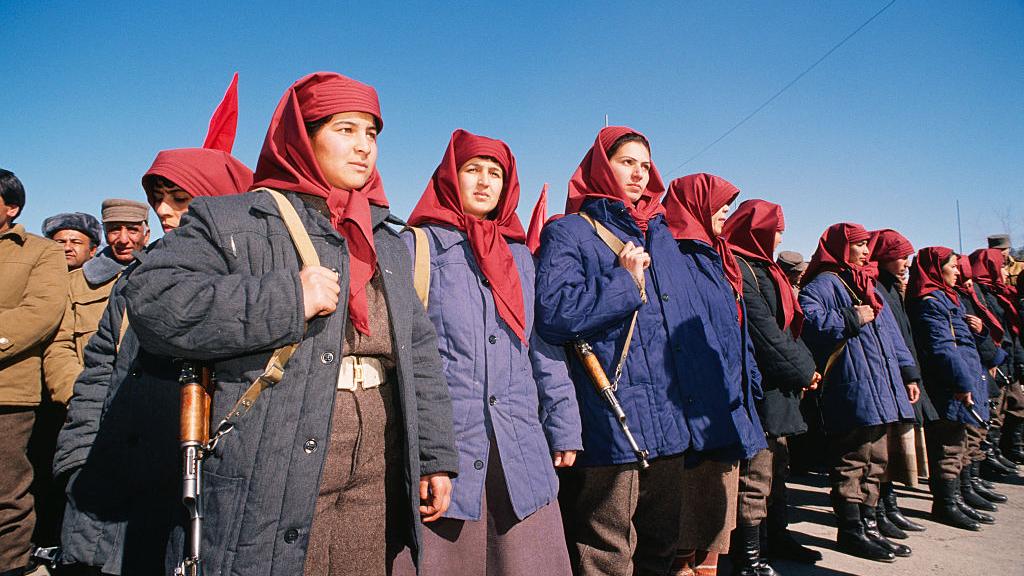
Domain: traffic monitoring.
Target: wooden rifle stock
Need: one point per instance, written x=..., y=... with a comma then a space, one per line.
x=605, y=389
x=196, y=394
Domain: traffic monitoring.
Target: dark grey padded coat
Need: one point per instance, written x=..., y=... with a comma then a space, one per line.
x=225, y=288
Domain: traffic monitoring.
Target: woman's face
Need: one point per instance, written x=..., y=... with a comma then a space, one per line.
x=858, y=253
x=169, y=203
x=950, y=272
x=631, y=165
x=346, y=149
x=480, y=182
x=718, y=219
x=778, y=240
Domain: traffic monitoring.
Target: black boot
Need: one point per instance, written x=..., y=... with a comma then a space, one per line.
x=991, y=469
x=1010, y=444
x=971, y=498
x=781, y=543
x=885, y=526
x=746, y=553
x=981, y=490
x=869, y=515
x=990, y=445
x=945, y=508
x=976, y=515
x=852, y=539
x=893, y=512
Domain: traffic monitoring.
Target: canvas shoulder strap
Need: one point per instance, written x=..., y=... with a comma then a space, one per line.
x=616, y=245
x=274, y=371
x=421, y=265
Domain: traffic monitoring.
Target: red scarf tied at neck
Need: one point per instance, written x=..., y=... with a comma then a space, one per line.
x=995, y=327
x=488, y=238
x=987, y=266
x=831, y=256
x=926, y=273
x=750, y=232
x=594, y=179
x=210, y=170
x=287, y=162
x=689, y=205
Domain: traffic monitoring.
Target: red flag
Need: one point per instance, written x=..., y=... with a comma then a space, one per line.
x=224, y=123
x=537, y=219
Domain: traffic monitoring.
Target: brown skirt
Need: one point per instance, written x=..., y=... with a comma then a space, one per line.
x=709, y=506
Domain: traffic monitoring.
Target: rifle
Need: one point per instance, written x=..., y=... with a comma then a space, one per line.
x=605, y=389
x=196, y=393
x=982, y=423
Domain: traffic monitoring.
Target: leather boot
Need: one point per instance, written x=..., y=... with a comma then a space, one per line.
x=869, y=515
x=885, y=526
x=990, y=445
x=852, y=539
x=991, y=469
x=971, y=498
x=1010, y=443
x=976, y=515
x=780, y=541
x=746, y=553
x=944, y=506
x=981, y=490
x=892, y=510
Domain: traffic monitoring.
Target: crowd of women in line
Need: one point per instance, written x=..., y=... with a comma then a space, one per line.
x=436, y=417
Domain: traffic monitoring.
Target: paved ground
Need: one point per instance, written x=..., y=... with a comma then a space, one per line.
x=997, y=550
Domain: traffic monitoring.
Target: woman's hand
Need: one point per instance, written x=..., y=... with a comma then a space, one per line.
x=865, y=313
x=435, y=495
x=913, y=392
x=634, y=259
x=320, y=289
x=964, y=397
x=815, y=380
x=564, y=458
x=975, y=323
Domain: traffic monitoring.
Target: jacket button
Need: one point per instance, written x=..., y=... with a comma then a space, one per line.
x=309, y=446
x=492, y=338
x=485, y=282
x=327, y=357
x=664, y=297
x=679, y=348
x=492, y=400
x=291, y=535
x=4, y=341
x=689, y=399
x=479, y=464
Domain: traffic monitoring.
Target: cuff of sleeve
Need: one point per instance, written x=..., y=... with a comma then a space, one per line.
x=852, y=321
x=910, y=374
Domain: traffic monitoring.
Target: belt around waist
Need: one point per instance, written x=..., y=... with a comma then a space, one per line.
x=361, y=372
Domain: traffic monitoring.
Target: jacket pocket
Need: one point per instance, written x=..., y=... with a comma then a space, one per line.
x=222, y=507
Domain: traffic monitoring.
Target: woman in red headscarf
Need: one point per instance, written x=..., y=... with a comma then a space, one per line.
x=862, y=357
x=725, y=428
x=503, y=519
x=114, y=410
x=990, y=275
x=614, y=295
x=958, y=383
x=787, y=368
x=331, y=470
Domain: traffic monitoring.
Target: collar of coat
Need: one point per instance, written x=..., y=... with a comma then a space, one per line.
x=315, y=215
x=17, y=232
x=102, y=268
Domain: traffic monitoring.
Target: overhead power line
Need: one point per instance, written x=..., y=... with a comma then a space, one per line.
x=784, y=88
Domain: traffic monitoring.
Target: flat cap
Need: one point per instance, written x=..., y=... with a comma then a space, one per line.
x=121, y=210
x=1000, y=241
x=791, y=261
x=85, y=223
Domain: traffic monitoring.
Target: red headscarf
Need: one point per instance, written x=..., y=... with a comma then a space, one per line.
x=287, y=162
x=537, y=219
x=594, y=179
x=210, y=170
x=995, y=327
x=833, y=250
x=887, y=245
x=750, y=232
x=488, y=238
x=689, y=205
x=926, y=273
x=987, y=266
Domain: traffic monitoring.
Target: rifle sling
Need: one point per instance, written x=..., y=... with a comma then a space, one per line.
x=421, y=265
x=616, y=245
x=274, y=371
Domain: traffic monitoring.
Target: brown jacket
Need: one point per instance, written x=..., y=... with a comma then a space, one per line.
x=32, y=295
x=64, y=358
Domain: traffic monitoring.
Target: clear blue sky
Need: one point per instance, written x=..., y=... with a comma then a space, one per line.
x=923, y=107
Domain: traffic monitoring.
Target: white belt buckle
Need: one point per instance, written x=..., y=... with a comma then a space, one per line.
x=360, y=372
